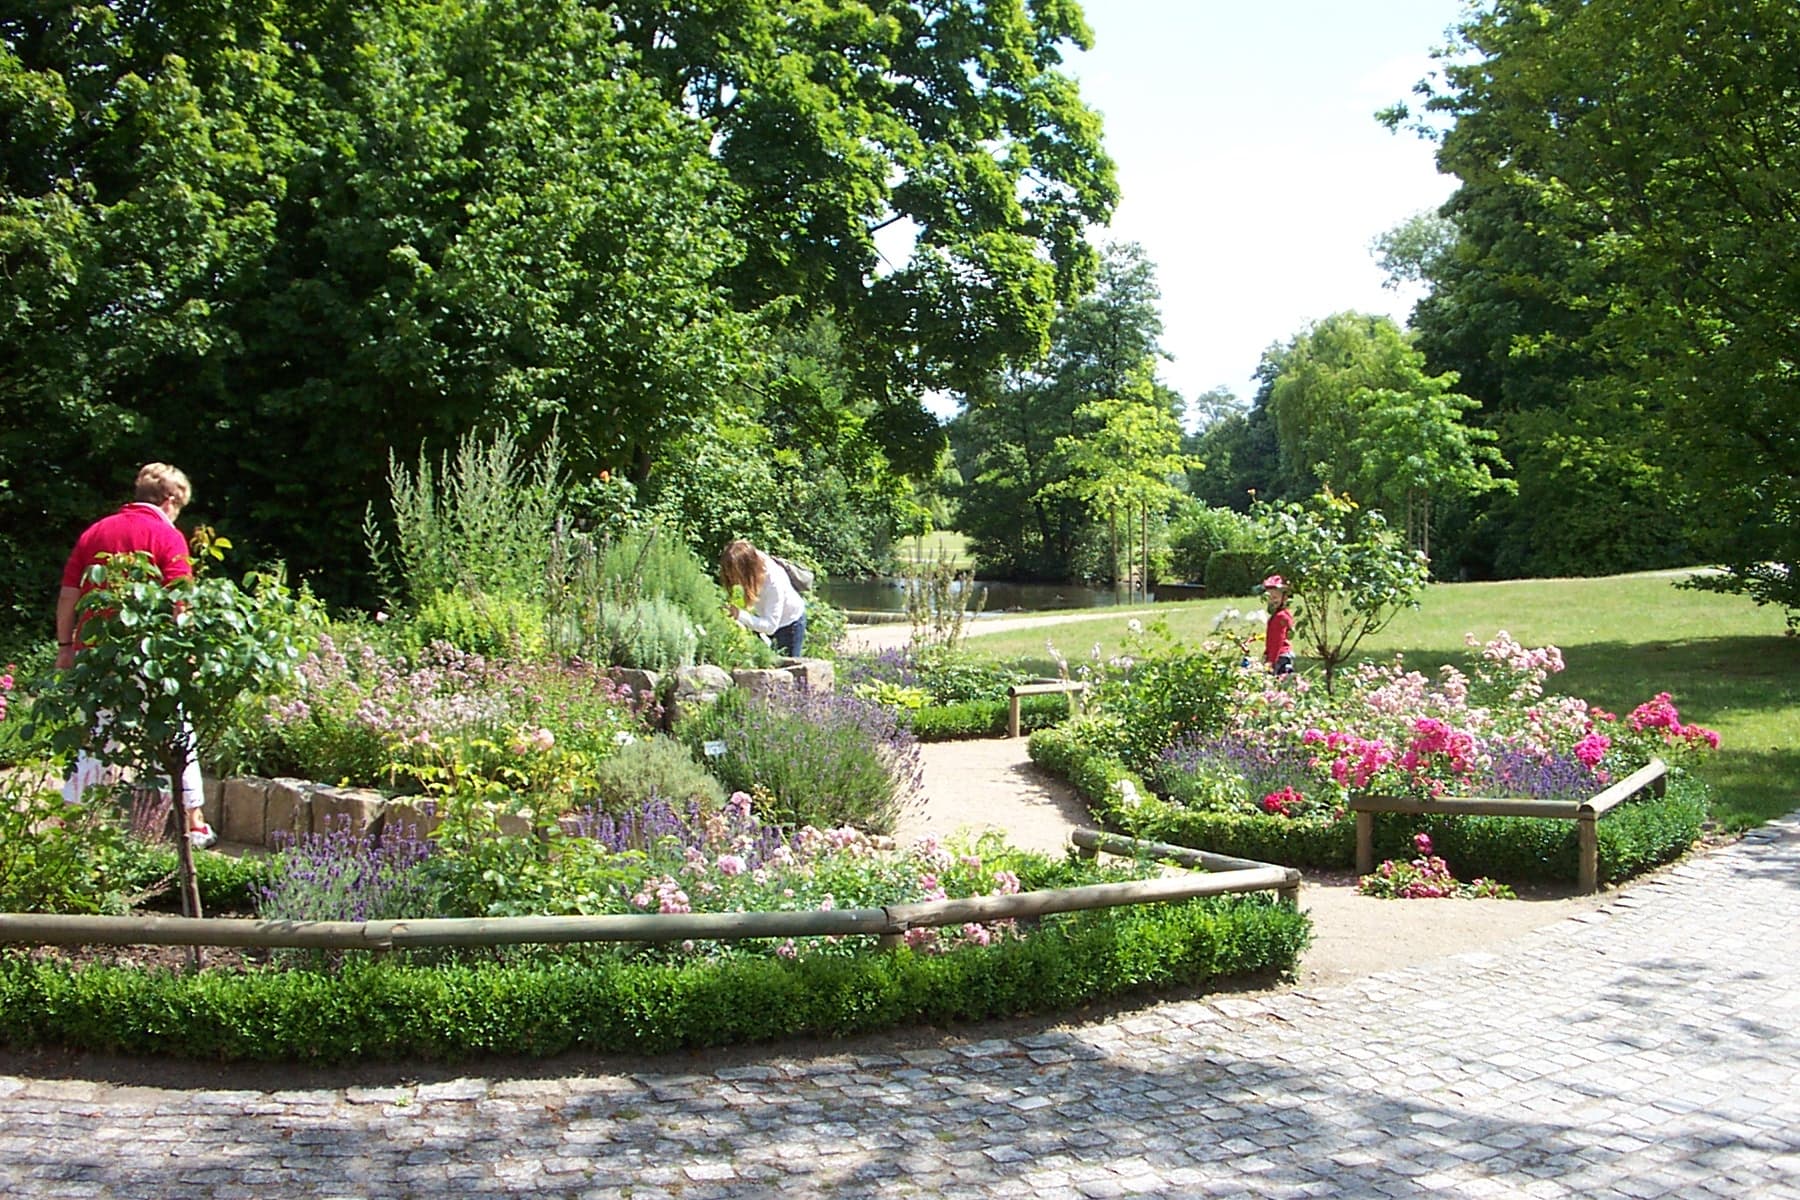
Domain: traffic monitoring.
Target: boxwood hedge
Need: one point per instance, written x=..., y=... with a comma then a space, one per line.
x=547, y=1003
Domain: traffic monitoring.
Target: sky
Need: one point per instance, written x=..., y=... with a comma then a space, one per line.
x=1251, y=167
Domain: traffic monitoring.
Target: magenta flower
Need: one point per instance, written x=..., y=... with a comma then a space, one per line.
x=1592, y=748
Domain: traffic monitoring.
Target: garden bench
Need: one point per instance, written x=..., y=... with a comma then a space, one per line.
x=1653, y=775
x=1040, y=687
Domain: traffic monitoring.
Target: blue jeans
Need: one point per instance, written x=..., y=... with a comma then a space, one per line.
x=789, y=639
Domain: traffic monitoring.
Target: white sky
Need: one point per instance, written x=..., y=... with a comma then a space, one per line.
x=1251, y=166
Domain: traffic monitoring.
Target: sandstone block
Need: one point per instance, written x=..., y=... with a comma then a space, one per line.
x=774, y=682
x=358, y=810
x=643, y=684
x=813, y=674
x=695, y=689
x=287, y=811
x=242, y=801
x=212, y=808
x=413, y=817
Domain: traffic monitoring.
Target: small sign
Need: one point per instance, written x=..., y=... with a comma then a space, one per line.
x=714, y=749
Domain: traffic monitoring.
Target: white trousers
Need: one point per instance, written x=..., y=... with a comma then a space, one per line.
x=92, y=772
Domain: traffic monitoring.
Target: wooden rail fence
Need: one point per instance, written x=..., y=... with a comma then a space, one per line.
x=1223, y=876
x=1653, y=775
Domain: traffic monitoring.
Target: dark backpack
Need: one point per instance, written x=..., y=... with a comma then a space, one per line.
x=801, y=577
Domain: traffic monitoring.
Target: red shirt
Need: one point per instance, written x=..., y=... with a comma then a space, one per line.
x=134, y=527
x=1276, y=635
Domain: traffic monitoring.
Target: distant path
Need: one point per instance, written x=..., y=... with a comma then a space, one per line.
x=892, y=636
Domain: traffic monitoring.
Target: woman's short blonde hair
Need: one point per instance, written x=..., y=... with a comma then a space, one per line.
x=157, y=482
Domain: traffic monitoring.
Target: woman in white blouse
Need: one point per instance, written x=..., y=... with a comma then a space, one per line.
x=772, y=607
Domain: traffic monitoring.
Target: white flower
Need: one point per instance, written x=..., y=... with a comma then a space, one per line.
x=1135, y=625
x=1128, y=793
x=623, y=738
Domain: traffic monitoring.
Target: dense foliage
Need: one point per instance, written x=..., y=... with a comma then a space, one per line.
x=1619, y=295
x=356, y=230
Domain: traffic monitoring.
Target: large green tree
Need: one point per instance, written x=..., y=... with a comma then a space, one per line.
x=1355, y=410
x=1032, y=503
x=949, y=119
x=271, y=242
x=1651, y=152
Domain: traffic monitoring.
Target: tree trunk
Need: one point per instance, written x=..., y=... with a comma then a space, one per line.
x=175, y=763
x=1112, y=531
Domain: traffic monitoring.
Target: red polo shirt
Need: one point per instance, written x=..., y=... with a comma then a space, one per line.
x=135, y=527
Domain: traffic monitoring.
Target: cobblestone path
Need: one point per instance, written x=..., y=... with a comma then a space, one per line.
x=1648, y=1049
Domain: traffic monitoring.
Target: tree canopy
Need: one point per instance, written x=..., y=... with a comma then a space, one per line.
x=1630, y=199
x=276, y=240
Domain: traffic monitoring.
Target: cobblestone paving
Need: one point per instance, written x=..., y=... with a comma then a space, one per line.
x=1648, y=1049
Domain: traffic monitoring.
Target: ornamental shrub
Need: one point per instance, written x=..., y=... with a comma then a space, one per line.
x=1199, y=532
x=495, y=626
x=649, y=634
x=57, y=858
x=656, y=767
x=984, y=718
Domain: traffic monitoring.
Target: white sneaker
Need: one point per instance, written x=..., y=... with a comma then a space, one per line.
x=201, y=837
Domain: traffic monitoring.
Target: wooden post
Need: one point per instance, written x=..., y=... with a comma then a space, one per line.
x=1365, y=842
x=1585, y=825
x=1012, y=715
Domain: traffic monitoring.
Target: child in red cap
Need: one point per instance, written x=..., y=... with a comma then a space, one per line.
x=1278, y=647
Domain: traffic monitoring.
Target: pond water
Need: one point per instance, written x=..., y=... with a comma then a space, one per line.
x=889, y=595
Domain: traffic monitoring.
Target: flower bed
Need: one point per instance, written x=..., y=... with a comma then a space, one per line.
x=1272, y=779
x=638, y=997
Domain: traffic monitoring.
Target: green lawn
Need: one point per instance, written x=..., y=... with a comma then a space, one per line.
x=1624, y=638
x=952, y=546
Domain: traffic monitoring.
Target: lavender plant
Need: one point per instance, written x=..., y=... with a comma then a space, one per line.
x=344, y=875
x=825, y=758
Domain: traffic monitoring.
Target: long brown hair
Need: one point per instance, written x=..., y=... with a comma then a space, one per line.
x=741, y=566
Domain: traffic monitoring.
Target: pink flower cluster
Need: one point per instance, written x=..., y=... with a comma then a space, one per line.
x=665, y=893
x=1528, y=667
x=1592, y=748
x=1659, y=714
x=1438, y=747
x=1357, y=759
x=6, y=685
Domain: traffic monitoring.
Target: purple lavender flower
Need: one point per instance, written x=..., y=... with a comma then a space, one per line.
x=1261, y=767
x=344, y=875
x=1534, y=775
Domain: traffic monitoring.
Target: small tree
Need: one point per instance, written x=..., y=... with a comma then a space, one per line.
x=159, y=656
x=1349, y=573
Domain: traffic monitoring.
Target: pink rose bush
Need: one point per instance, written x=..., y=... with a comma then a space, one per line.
x=1426, y=877
x=1291, y=750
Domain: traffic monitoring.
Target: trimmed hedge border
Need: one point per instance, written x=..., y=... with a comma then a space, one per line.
x=983, y=718
x=396, y=1010
x=1633, y=837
